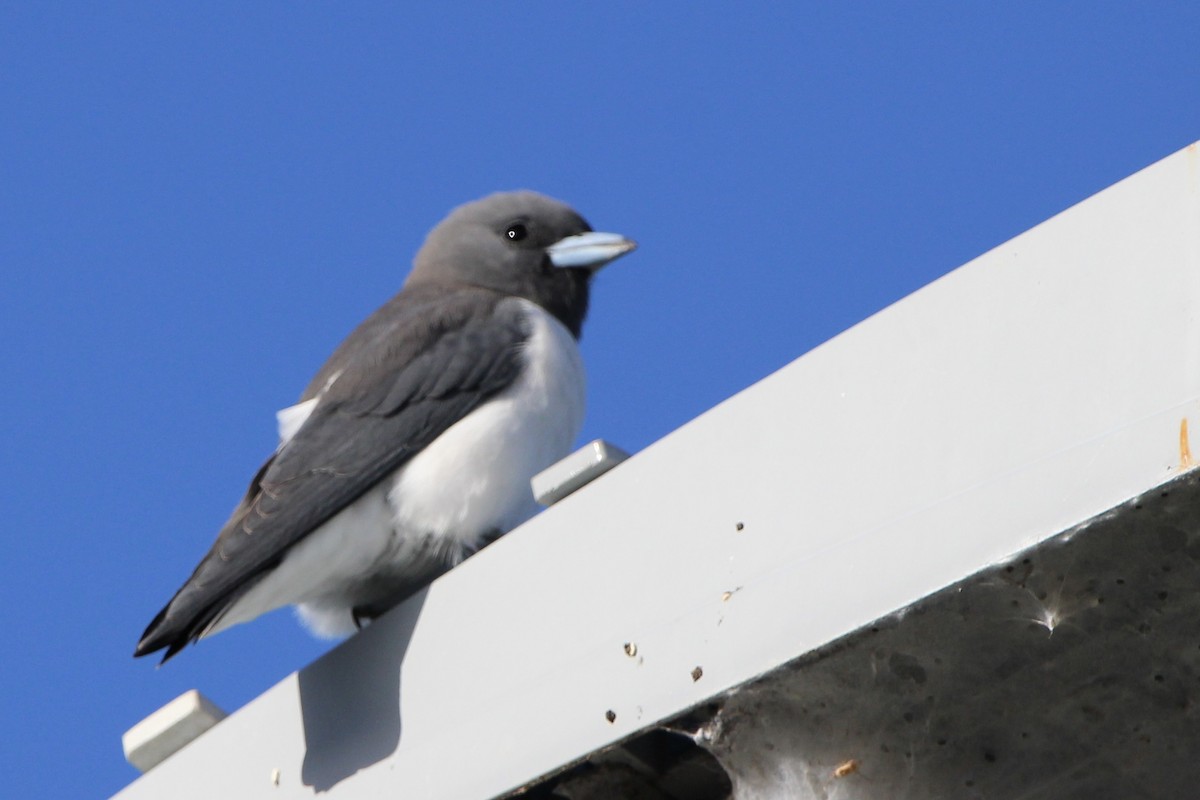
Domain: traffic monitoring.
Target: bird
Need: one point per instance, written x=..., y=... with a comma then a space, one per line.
x=413, y=445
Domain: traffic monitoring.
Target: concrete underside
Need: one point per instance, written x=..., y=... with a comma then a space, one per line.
x=1071, y=671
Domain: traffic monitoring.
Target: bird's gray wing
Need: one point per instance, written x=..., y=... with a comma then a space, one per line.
x=414, y=368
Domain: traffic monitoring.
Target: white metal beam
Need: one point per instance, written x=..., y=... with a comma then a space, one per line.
x=1036, y=386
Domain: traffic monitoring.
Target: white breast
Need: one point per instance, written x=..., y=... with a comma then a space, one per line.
x=475, y=477
x=471, y=483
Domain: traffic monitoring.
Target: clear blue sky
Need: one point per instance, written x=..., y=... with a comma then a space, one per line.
x=197, y=203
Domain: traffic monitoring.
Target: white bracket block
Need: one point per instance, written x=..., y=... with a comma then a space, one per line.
x=169, y=729
x=576, y=471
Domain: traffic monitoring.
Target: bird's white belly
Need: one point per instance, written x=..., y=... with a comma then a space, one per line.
x=467, y=486
x=475, y=477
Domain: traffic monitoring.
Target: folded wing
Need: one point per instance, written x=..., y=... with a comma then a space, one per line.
x=410, y=371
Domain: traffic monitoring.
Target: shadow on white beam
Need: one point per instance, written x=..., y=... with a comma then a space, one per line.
x=1031, y=389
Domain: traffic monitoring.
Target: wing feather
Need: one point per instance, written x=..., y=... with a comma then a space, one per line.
x=410, y=371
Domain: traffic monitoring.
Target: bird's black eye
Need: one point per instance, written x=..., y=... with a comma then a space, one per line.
x=516, y=232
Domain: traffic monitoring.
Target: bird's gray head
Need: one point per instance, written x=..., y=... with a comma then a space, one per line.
x=523, y=244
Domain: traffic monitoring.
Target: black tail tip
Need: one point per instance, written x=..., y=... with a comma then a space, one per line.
x=158, y=636
x=145, y=648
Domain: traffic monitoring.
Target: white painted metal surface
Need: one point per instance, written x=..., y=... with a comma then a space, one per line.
x=1039, y=384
